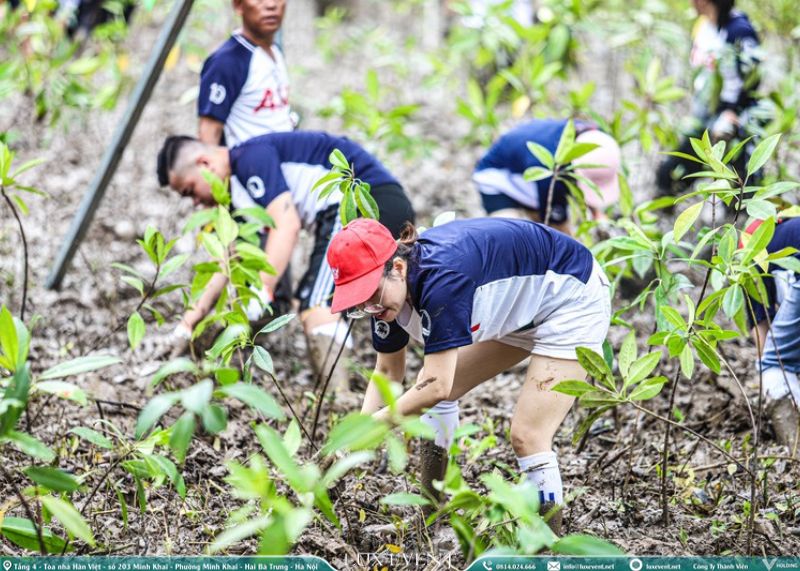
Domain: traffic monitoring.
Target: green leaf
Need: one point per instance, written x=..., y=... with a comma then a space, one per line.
x=93, y=436
x=733, y=300
x=78, y=366
x=29, y=445
x=180, y=365
x=273, y=445
x=573, y=388
x=648, y=389
x=153, y=411
x=196, y=397
x=535, y=174
x=404, y=499
x=356, y=432
x=707, y=354
x=627, y=354
x=687, y=361
x=275, y=324
x=62, y=390
x=343, y=466
x=136, y=329
x=255, y=398
x=595, y=366
x=135, y=283
x=762, y=153
x=213, y=246
x=181, y=435
x=22, y=532
x=227, y=229
x=52, y=478
x=338, y=159
x=69, y=517
x=263, y=360
x=292, y=438
x=759, y=240
x=215, y=419
x=239, y=532
x=585, y=545
x=565, y=143
x=15, y=399
x=642, y=367
x=542, y=154
x=761, y=209
x=9, y=341
x=366, y=203
x=686, y=219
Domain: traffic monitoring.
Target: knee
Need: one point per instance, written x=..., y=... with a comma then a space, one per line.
x=527, y=438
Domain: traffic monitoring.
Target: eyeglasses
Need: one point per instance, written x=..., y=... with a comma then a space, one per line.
x=367, y=310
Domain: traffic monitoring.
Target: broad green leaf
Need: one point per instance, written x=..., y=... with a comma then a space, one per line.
x=153, y=411
x=93, y=436
x=585, y=545
x=9, y=341
x=762, y=153
x=215, y=419
x=356, y=432
x=292, y=438
x=761, y=209
x=686, y=219
x=52, y=478
x=535, y=174
x=648, y=389
x=397, y=453
x=181, y=435
x=227, y=229
x=15, y=399
x=338, y=159
x=22, y=532
x=69, y=517
x=196, y=397
x=213, y=246
x=276, y=324
x=366, y=203
x=62, y=390
x=627, y=353
x=404, y=499
x=733, y=300
x=272, y=443
x=78, y=366
x=642, y=367
x=759, y=240
x=707, y=354
x=239, y=532
x=180, y=365
x=573, y=388
x=255, y=398
x=687, y=361
x=595, y=366
x=565, y=143
x=542, y=154
x=343, y=466
x=29, y=446
x=263, y=360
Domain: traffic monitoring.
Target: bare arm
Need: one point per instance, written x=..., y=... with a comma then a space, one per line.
x=391, y=366
x=282, y=239
x=433, y=385
x=206, y=302
x=210, y=131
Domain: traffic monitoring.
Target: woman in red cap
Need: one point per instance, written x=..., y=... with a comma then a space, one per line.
x=481, y=295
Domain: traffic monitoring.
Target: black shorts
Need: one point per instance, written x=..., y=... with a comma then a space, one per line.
x=316, y=286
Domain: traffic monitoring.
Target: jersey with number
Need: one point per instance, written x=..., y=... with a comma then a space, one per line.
x=726, y=61
x=482, y=279
x=264, y=167
x=246, y=89
x=787, y=235
x=502, y=168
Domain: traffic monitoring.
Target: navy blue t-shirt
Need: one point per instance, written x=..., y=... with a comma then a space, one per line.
x=787, y=235
x=478, y=280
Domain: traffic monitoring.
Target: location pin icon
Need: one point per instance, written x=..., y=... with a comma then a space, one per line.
x=6, y=564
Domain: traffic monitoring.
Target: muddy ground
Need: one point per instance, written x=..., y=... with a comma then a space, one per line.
x=612, y=477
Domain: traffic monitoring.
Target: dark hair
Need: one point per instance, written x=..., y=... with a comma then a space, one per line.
x=724, y=8
x=168, y=155
x=405, y=246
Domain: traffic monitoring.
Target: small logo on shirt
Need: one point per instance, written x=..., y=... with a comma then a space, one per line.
x=335, y=273
x=425, y=322
x=255, y=186
x=381, y=329
x=475, y=327
x=217, y=94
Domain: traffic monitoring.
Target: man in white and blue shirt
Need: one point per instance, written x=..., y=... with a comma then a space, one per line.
x=244, y=85
x=277, y=172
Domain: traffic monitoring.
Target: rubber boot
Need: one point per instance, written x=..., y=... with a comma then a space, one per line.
x=555, y=520
x=433, y=466
x=785, y=420
x=339, y=385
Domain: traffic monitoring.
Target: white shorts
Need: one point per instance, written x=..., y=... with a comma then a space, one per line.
x=581, y=321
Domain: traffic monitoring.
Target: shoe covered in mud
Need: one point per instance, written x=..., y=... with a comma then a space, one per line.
x=432, y=467
x=555, y=519
x=785, y=420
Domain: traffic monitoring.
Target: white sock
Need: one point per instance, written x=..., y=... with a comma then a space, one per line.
x=775, y=384
x=443, y=418
x=337, y=330
x=542, y=470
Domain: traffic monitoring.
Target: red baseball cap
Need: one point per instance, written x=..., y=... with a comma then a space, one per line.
x=356, y=256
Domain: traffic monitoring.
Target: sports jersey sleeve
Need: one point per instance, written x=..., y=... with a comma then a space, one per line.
x=221, y=80
x=388, y=337
x=446, y=311
x=258, y=168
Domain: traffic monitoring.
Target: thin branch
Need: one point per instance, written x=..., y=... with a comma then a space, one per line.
x=24, y=252
x=27, y=507
x=665, y=453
